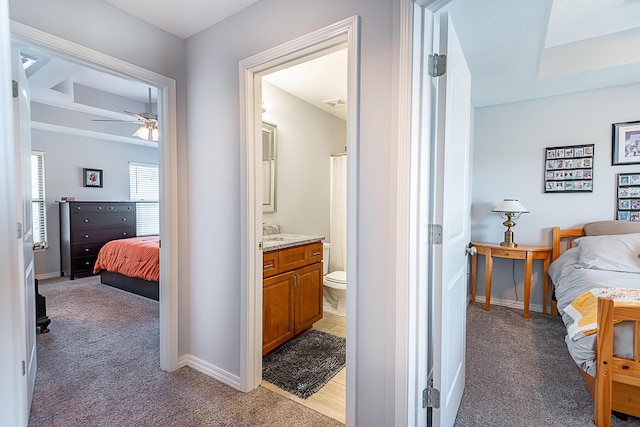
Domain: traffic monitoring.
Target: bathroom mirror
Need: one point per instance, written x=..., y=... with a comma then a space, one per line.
x=269, y=159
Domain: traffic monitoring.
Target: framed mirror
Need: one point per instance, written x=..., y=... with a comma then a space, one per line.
x=269, y=161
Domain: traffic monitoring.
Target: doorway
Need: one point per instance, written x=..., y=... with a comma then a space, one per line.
x=335, y=37
x=23, y=35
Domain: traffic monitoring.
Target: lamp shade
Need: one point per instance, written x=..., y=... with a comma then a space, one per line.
x=510, y=205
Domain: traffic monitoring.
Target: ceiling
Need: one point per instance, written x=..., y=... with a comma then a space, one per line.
x=515, y=51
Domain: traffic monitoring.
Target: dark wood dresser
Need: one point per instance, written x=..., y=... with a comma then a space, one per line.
x=86, y=226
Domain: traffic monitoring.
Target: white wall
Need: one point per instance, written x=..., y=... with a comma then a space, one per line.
x=65, y=157
x=215, y=265
x=307, y=136
x=107, y=29
x=509, y=161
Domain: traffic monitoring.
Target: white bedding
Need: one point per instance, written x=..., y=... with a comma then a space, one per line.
x=571, y=279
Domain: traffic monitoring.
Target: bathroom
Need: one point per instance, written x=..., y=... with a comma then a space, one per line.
x=310, y=153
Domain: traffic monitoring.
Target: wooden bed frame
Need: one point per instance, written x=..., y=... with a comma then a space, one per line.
x=134, y=285
x=616, y=386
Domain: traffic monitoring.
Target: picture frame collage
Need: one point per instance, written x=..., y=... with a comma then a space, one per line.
x=628, y=197
x=569, y=169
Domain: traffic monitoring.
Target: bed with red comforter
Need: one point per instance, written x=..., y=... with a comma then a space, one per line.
x=131, y=264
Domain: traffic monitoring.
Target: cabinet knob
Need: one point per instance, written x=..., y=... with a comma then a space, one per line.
x=124, y=234
x=124, y=219
x=86, y=249
x=86, y=220
x=86, y=235
x=87, y=263
x=99, y=208
x=78, y=208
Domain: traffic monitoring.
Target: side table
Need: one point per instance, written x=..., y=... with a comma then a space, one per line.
x=524, y=252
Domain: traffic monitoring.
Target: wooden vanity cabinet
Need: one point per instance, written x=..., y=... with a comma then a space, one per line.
x=291, y=293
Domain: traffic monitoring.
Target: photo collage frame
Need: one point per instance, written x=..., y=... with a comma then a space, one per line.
x=628, y=197
x=569, y=169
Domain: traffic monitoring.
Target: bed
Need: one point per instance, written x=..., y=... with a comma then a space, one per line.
x=596, y=278
x=132, y=265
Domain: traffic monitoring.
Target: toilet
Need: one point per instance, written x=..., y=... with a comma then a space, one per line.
x=335, y=286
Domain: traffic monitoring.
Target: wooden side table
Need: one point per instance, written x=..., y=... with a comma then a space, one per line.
x=526, y=253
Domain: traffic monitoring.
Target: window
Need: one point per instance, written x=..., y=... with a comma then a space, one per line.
x=145, y=189
x=38, y=201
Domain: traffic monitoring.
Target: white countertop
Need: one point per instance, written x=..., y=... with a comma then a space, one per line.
x=273, y=242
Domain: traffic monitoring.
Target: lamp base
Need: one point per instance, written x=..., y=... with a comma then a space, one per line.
x=508, y=239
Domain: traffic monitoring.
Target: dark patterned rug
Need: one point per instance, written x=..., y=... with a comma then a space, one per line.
x=306, y=363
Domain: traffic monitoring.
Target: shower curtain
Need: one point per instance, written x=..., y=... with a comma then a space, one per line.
x=338, y=214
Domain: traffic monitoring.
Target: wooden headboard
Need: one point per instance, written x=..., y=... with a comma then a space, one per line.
x=563, y=240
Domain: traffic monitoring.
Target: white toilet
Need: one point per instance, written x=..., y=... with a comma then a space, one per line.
x=335, y=286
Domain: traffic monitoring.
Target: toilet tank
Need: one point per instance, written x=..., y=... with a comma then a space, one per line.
x=326, y=248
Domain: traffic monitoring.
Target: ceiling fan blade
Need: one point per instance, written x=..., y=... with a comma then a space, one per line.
x=141, y=118
x=117, y=121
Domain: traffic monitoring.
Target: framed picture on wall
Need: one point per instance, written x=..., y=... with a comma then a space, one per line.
x=628, y=197
x=625, y=143
x=568, y=169
x=92, y=177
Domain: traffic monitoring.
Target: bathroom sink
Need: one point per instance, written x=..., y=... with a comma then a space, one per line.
x=278, y=241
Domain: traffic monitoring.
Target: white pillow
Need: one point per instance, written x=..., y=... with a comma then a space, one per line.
x=615, y=252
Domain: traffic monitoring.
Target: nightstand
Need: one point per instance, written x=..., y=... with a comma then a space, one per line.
x=526, y=253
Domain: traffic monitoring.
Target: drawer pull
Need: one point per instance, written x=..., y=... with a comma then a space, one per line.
x=99, y=208
x=124, y=234
x=124, y=219
x=86, y=220
x=78, y=208
x=86, y=249
x=508, y=253
x=86, y=235
x=87, y=263
x=111, y=207
x=315, y=253
x=269, y=265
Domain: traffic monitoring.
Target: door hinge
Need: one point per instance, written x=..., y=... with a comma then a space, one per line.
x=431, y=397
x=19, y=230
x=437, y=65
x=434, y=234
x=24, y=368
x=14, y=86
x=260, y=245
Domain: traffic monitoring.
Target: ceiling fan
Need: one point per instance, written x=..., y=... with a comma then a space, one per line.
x=148, y=123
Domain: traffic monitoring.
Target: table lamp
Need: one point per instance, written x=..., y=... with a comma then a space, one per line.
x=509, y=209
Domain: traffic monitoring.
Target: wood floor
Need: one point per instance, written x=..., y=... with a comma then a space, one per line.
x=330, y=400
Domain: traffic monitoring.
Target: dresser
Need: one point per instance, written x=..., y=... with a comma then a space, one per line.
x=86, y=226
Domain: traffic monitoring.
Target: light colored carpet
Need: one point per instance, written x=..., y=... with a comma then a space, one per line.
x=519, y=373
x=99, y=366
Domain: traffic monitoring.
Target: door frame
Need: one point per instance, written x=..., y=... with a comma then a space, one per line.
x=345, y=33
x=415, y=140
x=168, y=169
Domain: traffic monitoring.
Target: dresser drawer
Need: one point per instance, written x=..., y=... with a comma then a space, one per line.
x=86, y=250
x=89, y=236
x=103, y=207
x=83, y=264
x=95, y=220
x=508, y=253
x=292, y=258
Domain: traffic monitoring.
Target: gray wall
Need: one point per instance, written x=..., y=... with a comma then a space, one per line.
x=306, y=138
x=510, y=140
x=65, y=157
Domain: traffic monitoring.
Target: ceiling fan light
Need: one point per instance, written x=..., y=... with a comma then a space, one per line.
x=154, y=134
x=142, y=133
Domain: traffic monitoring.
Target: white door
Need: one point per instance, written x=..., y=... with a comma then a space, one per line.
x=450, y=208
x=22, y=141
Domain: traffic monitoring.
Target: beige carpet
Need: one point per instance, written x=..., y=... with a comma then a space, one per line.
x=99, y=366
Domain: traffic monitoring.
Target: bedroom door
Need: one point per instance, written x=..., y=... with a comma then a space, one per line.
x=22, y=144
x=450, y=208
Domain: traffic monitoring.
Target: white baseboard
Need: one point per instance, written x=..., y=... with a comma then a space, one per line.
x=51, y=275
x=209, y=370
x=512, y=304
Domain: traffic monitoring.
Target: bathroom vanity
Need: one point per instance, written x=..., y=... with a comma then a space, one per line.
x=292, y=288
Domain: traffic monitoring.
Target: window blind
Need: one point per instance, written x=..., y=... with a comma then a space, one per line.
x=145, y=190
x=38, y=200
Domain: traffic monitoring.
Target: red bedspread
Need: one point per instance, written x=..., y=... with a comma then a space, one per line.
x=134, y=257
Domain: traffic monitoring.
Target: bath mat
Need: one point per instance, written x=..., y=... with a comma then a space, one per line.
x=306, y=363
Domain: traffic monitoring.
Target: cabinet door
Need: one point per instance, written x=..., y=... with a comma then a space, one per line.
x=308, y=295
x=277, y=311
